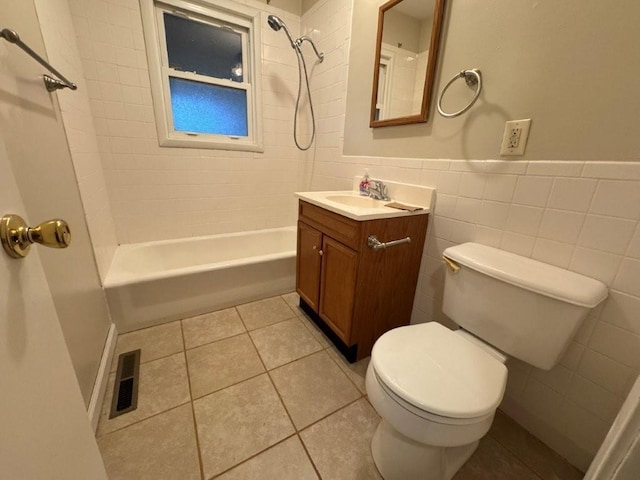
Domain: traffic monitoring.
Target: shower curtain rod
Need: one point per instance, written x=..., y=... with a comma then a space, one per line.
x=52, y=84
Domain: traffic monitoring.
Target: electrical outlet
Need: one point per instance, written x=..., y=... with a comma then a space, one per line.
x=514, y=139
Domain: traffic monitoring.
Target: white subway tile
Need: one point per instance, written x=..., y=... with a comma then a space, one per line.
x=606, y=233
x=560, y=225
x=533, y=191
x=493, y=214
x=467, y=209
x=524, y=220
x=603, y=371
x=584, y=428
x=594, y=398
x=616, y=343
x=573, y=194
x=623, y=311
x=558, y=378
x=628, y=279
x=488, y=236
x=555, y=168
x=500, y=188
x=600, y=265
x=517, y=243
x=472, y=185
x=552, y=252
x=617, y=198
x=612, y=170
x=634, y=245
x=449, y=182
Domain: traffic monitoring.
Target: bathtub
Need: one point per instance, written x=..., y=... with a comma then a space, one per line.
x=156, y=282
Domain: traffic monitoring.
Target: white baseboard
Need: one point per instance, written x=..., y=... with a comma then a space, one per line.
x=100, y=387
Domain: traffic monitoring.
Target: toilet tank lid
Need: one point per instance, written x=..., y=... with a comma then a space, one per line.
x=530, y=274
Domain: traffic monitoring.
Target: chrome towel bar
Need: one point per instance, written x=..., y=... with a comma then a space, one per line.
x=376, y=244
x=51, y=84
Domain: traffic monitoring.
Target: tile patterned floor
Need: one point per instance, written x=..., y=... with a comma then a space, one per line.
x=257, y=392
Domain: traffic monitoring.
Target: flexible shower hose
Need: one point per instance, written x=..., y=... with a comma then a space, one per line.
x=300, y=58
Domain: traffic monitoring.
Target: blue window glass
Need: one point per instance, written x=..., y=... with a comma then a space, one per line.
x=205, y=108
x=204, y=49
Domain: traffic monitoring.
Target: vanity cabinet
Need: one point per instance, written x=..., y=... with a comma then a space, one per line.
x=353, y=292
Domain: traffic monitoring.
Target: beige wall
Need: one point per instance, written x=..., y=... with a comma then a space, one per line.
x=570, y=66
x=401, y=28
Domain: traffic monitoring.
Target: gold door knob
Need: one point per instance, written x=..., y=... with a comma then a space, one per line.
x=17, y=237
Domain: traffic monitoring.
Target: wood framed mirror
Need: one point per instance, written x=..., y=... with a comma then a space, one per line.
x=405, y=61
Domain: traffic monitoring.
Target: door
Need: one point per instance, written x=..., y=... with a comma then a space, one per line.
x=44, y=428
x=309, y=260
x=338, y=287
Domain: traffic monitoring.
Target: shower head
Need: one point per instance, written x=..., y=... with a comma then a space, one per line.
x=276, y=23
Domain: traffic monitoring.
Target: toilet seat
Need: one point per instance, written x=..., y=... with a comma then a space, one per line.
x=410, y=361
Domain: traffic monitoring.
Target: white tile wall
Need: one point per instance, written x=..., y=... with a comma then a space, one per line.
x=160, y=193
x=552, y=212
x=62, y=50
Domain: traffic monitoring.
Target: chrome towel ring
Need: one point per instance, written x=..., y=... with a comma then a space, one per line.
x=473, y=78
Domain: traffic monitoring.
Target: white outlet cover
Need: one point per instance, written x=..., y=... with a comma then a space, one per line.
x=524, y=125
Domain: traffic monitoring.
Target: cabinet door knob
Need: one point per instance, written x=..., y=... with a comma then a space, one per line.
x=320, y=252
x=315, y=247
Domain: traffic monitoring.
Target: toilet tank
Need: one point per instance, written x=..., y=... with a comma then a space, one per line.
x=528, y=309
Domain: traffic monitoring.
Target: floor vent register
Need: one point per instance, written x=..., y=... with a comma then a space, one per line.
x=125, y=388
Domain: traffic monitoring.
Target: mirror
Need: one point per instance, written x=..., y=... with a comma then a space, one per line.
x=406, y=57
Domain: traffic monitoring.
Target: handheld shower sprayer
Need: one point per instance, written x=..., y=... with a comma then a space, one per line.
x=276, y=23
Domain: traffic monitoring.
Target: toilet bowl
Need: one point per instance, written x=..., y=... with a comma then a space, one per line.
x=437, y=393
x=437, y=390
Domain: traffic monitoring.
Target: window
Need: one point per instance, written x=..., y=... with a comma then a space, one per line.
x=204, y=69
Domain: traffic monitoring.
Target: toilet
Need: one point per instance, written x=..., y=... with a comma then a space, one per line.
x=437, y=390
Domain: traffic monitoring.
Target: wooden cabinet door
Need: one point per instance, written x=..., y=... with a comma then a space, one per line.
x=308, y=263
x=338, y=286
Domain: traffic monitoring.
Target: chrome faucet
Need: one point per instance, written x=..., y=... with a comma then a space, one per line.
x=378, y=190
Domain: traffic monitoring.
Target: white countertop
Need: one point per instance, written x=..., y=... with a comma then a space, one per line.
x=351, y=204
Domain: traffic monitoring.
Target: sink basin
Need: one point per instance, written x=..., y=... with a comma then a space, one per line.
x=352, y=205
x=353, y=201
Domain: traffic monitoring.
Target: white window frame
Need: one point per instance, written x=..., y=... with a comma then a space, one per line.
x=237, y=17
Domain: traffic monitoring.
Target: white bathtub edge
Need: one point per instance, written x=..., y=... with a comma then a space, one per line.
x=179, y=272
x=102, y=378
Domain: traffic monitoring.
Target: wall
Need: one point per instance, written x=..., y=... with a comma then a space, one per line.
x=568, y=65
x=62, y=51
x=44, y=173
x=160, y=193
x=566, y=203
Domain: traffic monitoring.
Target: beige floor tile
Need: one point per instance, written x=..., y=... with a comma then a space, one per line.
x=265, y=312
x=159, y=448
x=163, y=385
x=491, y=461
x=238, y=422
x=285, y=461
x=315, y=331
x=154, y=342
x=293, y=300
x=356, y=371
x=212, y=326
x=313, y=387
x=536, y=455
x=284, y=342
x=217, y=365
x=340, y=445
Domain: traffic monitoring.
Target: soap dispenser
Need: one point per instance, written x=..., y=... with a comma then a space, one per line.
x=365, y=183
